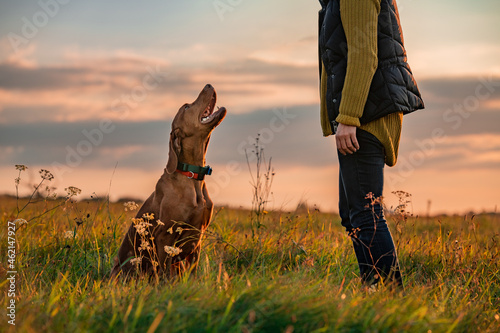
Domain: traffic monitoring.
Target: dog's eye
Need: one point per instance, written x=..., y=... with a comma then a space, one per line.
x=186, y=107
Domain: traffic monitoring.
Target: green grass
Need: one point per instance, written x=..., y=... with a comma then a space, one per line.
x=297, y=274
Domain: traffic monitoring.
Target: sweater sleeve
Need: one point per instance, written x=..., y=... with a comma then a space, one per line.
x=359, y=20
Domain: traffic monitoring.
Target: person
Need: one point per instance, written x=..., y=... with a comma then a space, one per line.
x=366, y=86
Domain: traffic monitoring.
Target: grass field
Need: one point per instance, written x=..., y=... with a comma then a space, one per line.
x=291, y=272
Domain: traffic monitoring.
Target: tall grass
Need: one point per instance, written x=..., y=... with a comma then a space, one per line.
x=301, y=277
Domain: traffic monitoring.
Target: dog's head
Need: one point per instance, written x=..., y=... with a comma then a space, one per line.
x=193, y=125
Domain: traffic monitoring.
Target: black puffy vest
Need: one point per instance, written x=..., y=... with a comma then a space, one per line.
x=393, y=87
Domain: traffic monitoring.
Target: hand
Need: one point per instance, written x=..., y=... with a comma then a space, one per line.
x=346, y=139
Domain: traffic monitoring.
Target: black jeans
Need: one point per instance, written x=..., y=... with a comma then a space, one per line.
x=361, y=184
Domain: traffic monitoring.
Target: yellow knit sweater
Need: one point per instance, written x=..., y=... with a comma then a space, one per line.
x=362, y=16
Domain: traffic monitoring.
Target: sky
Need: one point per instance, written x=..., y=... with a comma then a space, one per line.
x=88, y=90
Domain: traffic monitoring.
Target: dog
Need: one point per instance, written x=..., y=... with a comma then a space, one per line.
x=165, y=237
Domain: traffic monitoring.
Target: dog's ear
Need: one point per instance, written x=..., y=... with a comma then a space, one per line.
x=174, y=150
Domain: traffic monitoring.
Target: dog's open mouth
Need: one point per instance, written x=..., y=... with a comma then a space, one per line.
x=208, y=115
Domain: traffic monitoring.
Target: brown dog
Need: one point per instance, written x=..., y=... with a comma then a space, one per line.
x=165, y=236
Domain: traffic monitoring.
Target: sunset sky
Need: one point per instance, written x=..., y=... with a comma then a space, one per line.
x=88, y=90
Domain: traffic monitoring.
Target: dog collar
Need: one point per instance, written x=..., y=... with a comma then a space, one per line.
x=194, y=171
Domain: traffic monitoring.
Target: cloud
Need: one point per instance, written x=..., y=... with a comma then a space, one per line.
x=85, y=144
x=286, y=133
x=446, y=91
x=85, y=89
x=115, y=71
x=27, y=79
x=291, y=136
x=93, y=86
x=46, y=109
x=464, y=152
x=453, y=107
x=124, y=88
x=119, y=86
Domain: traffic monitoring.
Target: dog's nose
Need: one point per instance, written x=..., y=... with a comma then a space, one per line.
x=208, y=86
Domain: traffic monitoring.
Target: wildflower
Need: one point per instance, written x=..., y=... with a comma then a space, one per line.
x=497, y=317
x=370, y=196
x=372, y=289
x=21, y=167
x=141, y=226
x=46, y=174
x=171, y=230
x=160, y=222
x=130, y=205
x=144, y=245
x=17, y=180
x=69, y=234
x=179, y=230
x=148, y=216
x=72, y=191
x=401, y=194
x=343, y=296
x=20, y=222
x=136, y=261
x=141, y=230
x=172, y=250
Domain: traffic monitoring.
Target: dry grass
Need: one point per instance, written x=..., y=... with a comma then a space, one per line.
x=300, y=274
